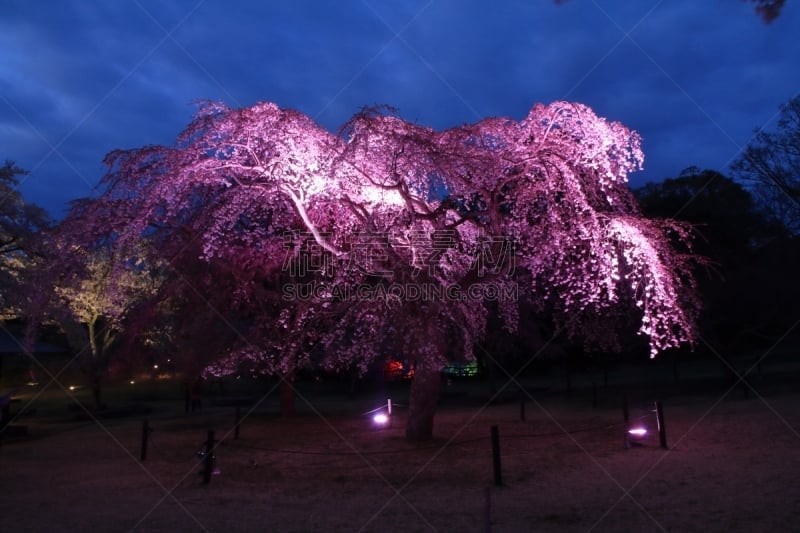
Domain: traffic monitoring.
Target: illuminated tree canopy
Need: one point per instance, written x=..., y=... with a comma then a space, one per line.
x=538, y=206
x=89, y=293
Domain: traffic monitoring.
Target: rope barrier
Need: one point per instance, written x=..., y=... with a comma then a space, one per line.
x=424, y=448
x=195, y=455
x=382, y=408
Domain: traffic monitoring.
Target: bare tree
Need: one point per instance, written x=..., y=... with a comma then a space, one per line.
x=771, y=162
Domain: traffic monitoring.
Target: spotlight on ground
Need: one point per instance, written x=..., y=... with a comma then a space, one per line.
x=637, y=432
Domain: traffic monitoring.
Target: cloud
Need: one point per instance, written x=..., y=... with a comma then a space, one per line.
x=108, y=75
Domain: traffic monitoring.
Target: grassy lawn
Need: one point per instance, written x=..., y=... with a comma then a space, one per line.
x=732, y=463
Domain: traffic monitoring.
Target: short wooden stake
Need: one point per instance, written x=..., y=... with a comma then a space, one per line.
x=594, y=394
x=498, y=474
x=522, y=405
x=662, y=430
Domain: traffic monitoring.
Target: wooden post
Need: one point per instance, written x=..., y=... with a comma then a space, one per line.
x=498, y=474
x=145, y=436
x=594, y=394
x=662, y=430
x=208, y=460
x=522, y=405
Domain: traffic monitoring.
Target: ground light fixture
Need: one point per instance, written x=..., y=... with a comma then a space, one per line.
x=635, y=436
x=382, y=416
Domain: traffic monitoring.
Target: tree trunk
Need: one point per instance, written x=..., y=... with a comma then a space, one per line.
x=95, y=365
x=287, y=395
x=424, y=397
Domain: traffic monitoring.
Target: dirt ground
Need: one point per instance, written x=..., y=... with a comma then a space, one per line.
x=732, y=464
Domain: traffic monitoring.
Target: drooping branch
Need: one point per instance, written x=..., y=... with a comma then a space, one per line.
x=297, y=200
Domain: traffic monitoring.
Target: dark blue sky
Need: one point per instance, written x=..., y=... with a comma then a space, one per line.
x=80, y=78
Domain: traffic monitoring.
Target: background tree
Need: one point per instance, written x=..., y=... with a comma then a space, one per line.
x=771, y=163
x=539, y=205
x=747, y=291
x=87, y=288
x=20, y=226
x=724, y=215
x=221, y=314
x=94, y=307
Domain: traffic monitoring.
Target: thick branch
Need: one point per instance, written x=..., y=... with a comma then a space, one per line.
x=301, y=210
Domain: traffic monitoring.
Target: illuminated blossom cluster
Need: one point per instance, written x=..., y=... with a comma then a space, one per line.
x=541, y=203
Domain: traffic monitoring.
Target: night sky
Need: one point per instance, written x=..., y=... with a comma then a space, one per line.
x=80, y=78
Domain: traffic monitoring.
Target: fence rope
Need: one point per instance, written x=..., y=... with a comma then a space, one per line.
x=423, y=448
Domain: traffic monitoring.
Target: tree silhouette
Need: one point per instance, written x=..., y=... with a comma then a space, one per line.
x=724, y=214
x=20, y=226
x=747, y=283
x=771, y=162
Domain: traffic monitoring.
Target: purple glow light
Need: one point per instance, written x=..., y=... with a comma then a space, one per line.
x=638, y=432
x=380, y=419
